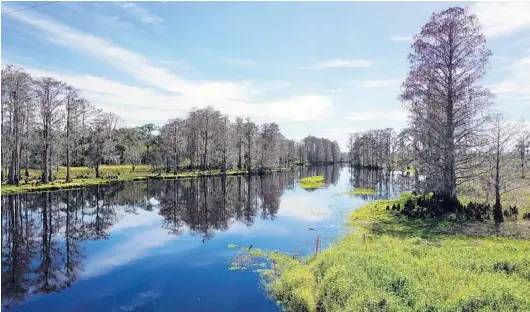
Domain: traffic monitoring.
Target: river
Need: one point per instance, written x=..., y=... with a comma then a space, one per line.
x=163, y=245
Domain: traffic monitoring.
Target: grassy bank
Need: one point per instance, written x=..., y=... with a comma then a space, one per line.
x=83, y=176
x=390, y=263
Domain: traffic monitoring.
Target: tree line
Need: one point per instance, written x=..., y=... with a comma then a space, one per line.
x=47, y=123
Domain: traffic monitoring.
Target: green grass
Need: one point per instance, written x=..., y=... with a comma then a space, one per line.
x=361, y=191
x=83, y=176
x=390, y=263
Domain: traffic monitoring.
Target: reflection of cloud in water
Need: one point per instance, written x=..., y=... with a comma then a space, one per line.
x=268, y=228
x=304, y=208
x=139, y=219
x=135, y=247
x=140, y=300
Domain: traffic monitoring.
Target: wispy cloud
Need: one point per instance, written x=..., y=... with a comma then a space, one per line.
x=502, y=18
x=369, y=84
x=374, y=114
x=401, y=38
x=339, y=63
x=239, y=62
x=516, y=83
x=234, y=98
x=142, y=14
x=338, y=90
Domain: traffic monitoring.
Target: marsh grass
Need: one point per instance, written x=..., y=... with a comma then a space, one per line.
x=388, y=262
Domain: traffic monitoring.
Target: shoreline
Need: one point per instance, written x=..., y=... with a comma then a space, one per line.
x=78, y=183
x=377, y=263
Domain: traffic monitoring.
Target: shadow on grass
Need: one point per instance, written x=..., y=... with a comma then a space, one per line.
x=375, y=219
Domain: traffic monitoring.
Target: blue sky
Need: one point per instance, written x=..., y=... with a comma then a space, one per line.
x=324, y=69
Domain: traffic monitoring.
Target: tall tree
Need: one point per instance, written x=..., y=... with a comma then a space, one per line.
x=73, y=104
x=49, y=95
x=16, y=99
x=442, y=90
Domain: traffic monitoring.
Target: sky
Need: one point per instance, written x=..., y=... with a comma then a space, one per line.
x=325, y=69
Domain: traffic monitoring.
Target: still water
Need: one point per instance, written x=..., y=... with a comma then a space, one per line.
x=162, y=245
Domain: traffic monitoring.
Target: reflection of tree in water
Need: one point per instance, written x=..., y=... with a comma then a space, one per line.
x=211, y=204
x=385, y=183
x=331, y=173
x=41, y=251
x=42, y=233
x=18, y=248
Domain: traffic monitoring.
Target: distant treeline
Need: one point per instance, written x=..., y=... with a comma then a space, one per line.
x=47, y=123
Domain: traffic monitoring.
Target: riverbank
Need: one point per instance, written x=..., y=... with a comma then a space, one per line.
x=83, y=176
x=388, y=262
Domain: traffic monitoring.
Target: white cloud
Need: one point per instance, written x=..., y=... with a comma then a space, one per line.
x=502, y=18
x=338, y=90
x=142, y=218
x=374, y=115
x=339, y=63
x=401, y=38
x=138, y=103
x=517, y=82
x=303, y=208
x=239, y=62
x=381, y=83
x=134, y=248
x=142, y=14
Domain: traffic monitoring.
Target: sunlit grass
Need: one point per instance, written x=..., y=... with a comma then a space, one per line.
x=391, y=263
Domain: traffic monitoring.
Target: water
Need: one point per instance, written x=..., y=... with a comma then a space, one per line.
x=162, y=245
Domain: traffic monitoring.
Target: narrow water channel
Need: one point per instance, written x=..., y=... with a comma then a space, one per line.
x=163, y=245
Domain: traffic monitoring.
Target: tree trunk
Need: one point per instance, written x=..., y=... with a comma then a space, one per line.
x=68, y=179
x=239, y=154
x=497, y=210
x=98, y=174
x=44, y=176
x=522, y=159
x=14, y=167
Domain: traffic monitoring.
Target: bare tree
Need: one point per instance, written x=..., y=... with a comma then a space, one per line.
x=16, y=99
x=49, y=100
x=73, y=104
x=443, y=94
x=503, y=174
x=523, y=147
x=250, y=131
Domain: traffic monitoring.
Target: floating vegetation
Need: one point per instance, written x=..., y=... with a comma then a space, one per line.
x=361, y=191
x=313, y=182
x=312, y=179
x=232, y=246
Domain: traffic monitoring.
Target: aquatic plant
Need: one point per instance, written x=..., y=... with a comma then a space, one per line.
x=312, y=182
x=361, y=191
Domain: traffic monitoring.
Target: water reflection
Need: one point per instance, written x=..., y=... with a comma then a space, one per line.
x=44, y=236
